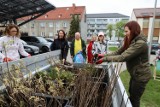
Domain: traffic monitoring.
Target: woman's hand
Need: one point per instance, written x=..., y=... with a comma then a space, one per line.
x=29, y=55
x=100, y=61
x=6, y=59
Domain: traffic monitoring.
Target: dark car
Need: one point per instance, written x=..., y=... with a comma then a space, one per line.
x=155, y=47
x=40, y=42
x=33, y=50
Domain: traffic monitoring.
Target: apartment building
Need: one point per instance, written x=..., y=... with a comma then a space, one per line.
x=99, y=22
x=144, y=16
x=48, y=24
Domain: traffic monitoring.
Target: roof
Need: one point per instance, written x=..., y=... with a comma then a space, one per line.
x=146, y=12
x=107, y=15
x=14, y=9
x=63, y=13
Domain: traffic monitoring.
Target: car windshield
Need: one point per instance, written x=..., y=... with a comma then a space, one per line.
x=23, y=42
x=42, y=40
x=49, y=39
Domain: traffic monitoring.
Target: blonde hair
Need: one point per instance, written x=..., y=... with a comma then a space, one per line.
x=9, y=27
x=94, y=36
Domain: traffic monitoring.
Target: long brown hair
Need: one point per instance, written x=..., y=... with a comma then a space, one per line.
x=135, y=30
x=64, y=37
x=9, y=27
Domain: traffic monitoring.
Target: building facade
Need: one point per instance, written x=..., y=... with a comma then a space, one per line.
x=144, y=16
x=98, y=22
x=48, y=24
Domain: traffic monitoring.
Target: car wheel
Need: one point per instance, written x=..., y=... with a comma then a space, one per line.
x=45, y=49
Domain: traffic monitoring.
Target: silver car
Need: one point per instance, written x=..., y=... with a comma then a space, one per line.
x=40, y=42
x=110, y=42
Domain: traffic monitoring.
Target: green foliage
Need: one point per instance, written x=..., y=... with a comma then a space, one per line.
x=150, y=98
x=120, y=29
x=110, y=29
x=74, y=25
x=67, y=76
x=52, y=72
x=56, y=73
x=113, y=48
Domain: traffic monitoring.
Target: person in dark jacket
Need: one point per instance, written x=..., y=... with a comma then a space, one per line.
x=135, y=52
x=61, y=43
x=77, y=45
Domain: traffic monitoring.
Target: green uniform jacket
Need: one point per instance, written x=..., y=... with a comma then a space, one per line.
x=136, y=57
x=83, y=48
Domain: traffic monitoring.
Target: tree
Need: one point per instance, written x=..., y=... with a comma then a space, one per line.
x=109, y=29
x=120, y=29
x=74, y=25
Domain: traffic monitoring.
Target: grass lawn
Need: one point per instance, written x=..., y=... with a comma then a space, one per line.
x=113, y=48
x=151, y=96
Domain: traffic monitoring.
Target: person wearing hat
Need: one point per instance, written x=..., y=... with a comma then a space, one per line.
x=99, y=47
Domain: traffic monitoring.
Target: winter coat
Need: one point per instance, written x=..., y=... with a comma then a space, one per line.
x=99, y=48
x=136, y=57
x=83, y=48
x=11, y=46
x=89, y=52
x=60, y=44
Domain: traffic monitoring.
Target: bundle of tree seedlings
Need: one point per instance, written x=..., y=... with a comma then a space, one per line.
x=58, y=87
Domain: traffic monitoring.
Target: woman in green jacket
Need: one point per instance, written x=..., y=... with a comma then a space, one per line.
x=135, y=53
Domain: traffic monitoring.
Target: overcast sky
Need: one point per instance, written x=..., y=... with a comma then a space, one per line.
x=107, y=6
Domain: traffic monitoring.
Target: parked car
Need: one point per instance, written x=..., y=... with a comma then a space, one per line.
x=155, y=47
x=110, y=42
x=40, y=42
x=69, y=44
x=33, y=50
x=49, y=39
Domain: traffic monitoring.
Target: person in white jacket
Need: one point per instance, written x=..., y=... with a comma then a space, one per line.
x=100, y=47
x=11, y=45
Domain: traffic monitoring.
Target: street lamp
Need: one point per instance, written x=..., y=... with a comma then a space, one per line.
x=152, y=30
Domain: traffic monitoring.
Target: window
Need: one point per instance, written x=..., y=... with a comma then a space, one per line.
x=32, y=25
x=57, y=25
x=64, y=24
x=105, y=20
x=43, y=34
x=33, y=34
x=50, y=34
x=99, y=20
x=157, y=23
x=117, y=20
x=34, y=39
x=92, y=25
x=50, y=24
x=92, y=20
x=111, y=20
x=145, y=23
x=42, y=24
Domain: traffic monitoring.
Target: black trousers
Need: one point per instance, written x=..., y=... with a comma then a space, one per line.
x=136, y=90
